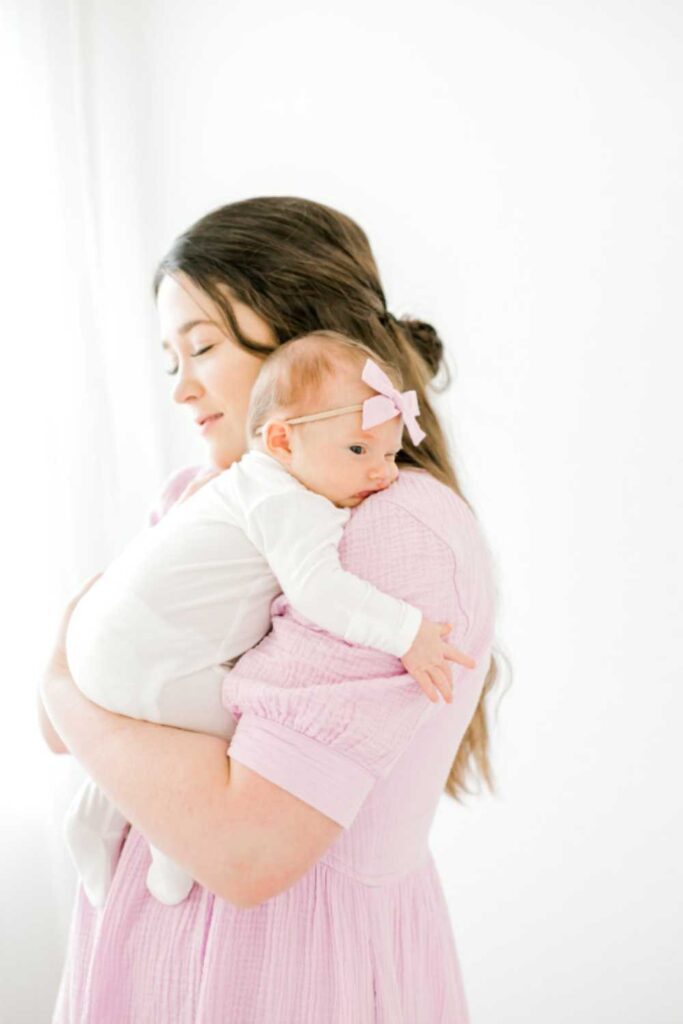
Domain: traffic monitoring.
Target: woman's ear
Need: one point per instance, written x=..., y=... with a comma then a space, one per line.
x=276, y=440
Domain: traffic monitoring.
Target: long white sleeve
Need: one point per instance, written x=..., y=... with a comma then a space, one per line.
x=298, y=533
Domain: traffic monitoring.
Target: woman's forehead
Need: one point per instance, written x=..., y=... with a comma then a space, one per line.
x=183, y=305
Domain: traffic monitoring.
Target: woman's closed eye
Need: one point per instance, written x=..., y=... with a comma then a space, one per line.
x=199, y=352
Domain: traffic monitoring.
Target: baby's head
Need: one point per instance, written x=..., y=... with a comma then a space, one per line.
x=333, y=456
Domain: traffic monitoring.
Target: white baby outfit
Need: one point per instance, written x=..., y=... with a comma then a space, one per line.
x=155, y=635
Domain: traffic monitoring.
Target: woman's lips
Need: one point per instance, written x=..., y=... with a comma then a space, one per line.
x=208, y=423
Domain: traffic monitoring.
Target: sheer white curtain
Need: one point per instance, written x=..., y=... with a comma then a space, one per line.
x=81, y=448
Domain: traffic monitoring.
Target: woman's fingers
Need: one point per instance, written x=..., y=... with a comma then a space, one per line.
x=79, y=594
x=59, y=652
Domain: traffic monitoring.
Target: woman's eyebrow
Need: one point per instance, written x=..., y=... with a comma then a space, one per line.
x=188, y=327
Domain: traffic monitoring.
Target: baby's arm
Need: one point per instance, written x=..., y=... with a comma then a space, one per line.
x=298, y=533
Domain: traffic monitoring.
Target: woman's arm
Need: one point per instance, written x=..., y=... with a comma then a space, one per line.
x=242, y=836
x=171, y=784
x=319, y=723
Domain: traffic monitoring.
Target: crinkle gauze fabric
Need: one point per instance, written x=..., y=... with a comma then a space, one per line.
x=364, y=937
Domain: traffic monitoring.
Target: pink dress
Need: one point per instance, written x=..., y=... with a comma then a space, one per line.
x=364, y=937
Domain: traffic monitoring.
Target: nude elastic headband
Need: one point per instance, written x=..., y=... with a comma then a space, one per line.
x=379, y=408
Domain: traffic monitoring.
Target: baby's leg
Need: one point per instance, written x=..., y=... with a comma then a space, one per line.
x=92, y=829
x=168, y=882
x=194, y=702
x=188, y=702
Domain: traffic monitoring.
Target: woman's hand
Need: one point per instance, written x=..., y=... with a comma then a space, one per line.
x=171, y=784
x=58, y=661
x=58, y=666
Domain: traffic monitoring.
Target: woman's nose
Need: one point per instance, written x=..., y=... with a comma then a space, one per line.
x=186, y=384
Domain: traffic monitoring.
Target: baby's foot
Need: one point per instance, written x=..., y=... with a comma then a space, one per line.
x=166, y=881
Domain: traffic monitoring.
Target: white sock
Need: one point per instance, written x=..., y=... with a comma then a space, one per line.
x=92, y=829
x=166, y=881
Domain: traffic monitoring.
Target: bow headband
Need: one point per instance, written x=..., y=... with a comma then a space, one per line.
x=380, y=407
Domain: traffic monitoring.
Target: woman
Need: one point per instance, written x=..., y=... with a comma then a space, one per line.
x=317, y=896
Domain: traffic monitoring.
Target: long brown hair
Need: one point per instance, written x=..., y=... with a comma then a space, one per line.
x=304, y=266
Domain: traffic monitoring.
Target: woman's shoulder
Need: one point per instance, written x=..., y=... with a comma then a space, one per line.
x=426, y=504
x=419, y=489
x=420, y=541
x=417, y=514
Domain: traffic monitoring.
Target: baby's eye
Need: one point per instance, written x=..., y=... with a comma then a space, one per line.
x=357, y=449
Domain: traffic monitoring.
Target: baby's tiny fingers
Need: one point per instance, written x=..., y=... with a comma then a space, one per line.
x=453, y=654
x=441, y=679
x=423, y=678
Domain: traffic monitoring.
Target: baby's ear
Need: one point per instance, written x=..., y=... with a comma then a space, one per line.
x=276, y=440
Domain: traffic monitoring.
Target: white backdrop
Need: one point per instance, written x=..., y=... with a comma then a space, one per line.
x=518, y=169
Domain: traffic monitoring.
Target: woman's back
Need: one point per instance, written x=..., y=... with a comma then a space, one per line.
x=364, y=936
x=397, y=744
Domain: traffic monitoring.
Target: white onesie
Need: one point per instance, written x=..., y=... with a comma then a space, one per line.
x=155, y=635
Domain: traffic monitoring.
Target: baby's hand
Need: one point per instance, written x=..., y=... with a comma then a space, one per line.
x=426, y=660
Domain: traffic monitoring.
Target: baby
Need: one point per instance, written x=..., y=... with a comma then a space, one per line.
x=155, y=635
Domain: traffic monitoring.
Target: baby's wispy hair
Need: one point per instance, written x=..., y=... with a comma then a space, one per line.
x=292, y=379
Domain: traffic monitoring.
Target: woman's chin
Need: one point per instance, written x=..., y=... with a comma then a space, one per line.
x=222, y=456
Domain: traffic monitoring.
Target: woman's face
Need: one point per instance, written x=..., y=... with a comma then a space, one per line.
x=212, y=375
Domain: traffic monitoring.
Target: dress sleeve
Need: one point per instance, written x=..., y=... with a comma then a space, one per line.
x=325, y=719
x=171, y=490
x=298, y=533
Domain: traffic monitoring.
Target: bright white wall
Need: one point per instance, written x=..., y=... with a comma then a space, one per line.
x=517, y=168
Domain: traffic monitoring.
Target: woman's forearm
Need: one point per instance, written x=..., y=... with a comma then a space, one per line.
x=171, y=784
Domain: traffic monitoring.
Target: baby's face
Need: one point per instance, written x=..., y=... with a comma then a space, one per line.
x=340, y=460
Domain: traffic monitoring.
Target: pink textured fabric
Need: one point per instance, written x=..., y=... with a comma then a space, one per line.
x=365, y=936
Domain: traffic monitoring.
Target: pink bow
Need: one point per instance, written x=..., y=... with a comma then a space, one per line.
x=388, y=402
